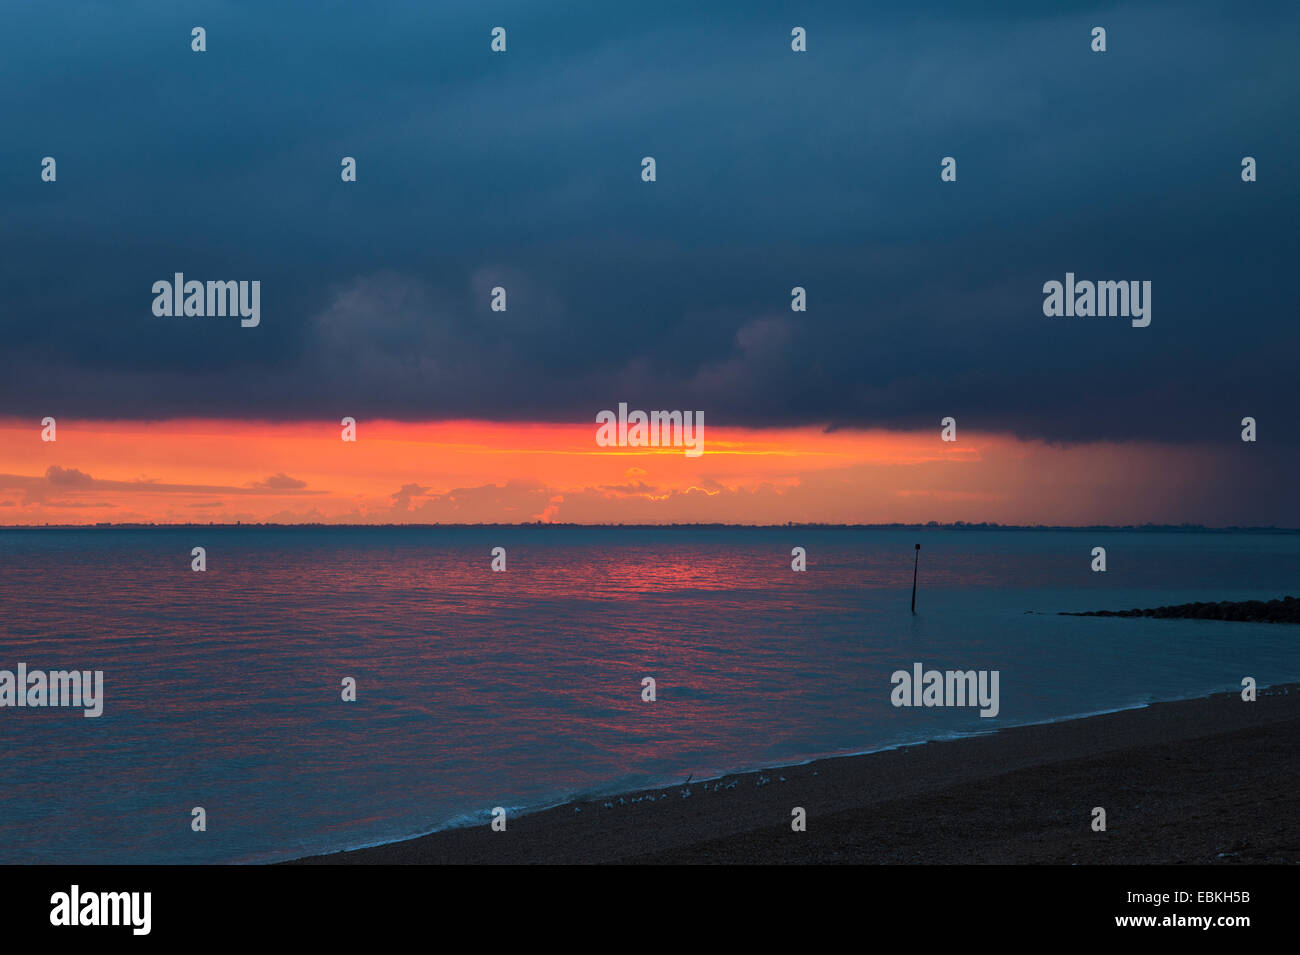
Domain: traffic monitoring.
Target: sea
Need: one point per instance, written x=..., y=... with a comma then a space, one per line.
x=474, y=689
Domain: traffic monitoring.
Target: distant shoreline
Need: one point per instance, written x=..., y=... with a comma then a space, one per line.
x=1209, y=780
x=920, y=528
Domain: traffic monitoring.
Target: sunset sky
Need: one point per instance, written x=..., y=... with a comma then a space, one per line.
x=482, y=472
x=521, y=170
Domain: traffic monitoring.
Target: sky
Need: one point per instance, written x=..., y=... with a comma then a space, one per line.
x=522, y=170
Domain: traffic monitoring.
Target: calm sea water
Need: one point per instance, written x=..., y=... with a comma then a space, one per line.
x=518, y=689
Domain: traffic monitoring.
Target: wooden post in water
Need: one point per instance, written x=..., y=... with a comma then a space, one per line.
x=914, y=566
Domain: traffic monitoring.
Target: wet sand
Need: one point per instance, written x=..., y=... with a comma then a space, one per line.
x=1214, y=780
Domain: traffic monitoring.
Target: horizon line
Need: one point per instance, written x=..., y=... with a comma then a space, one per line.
x=929, y=525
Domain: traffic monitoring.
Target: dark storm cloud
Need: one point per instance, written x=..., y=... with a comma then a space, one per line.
x=775, y=170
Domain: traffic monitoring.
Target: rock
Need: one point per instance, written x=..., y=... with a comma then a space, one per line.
x=1284, y=610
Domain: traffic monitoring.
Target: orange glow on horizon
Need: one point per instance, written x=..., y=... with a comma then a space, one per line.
x=207, y=470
